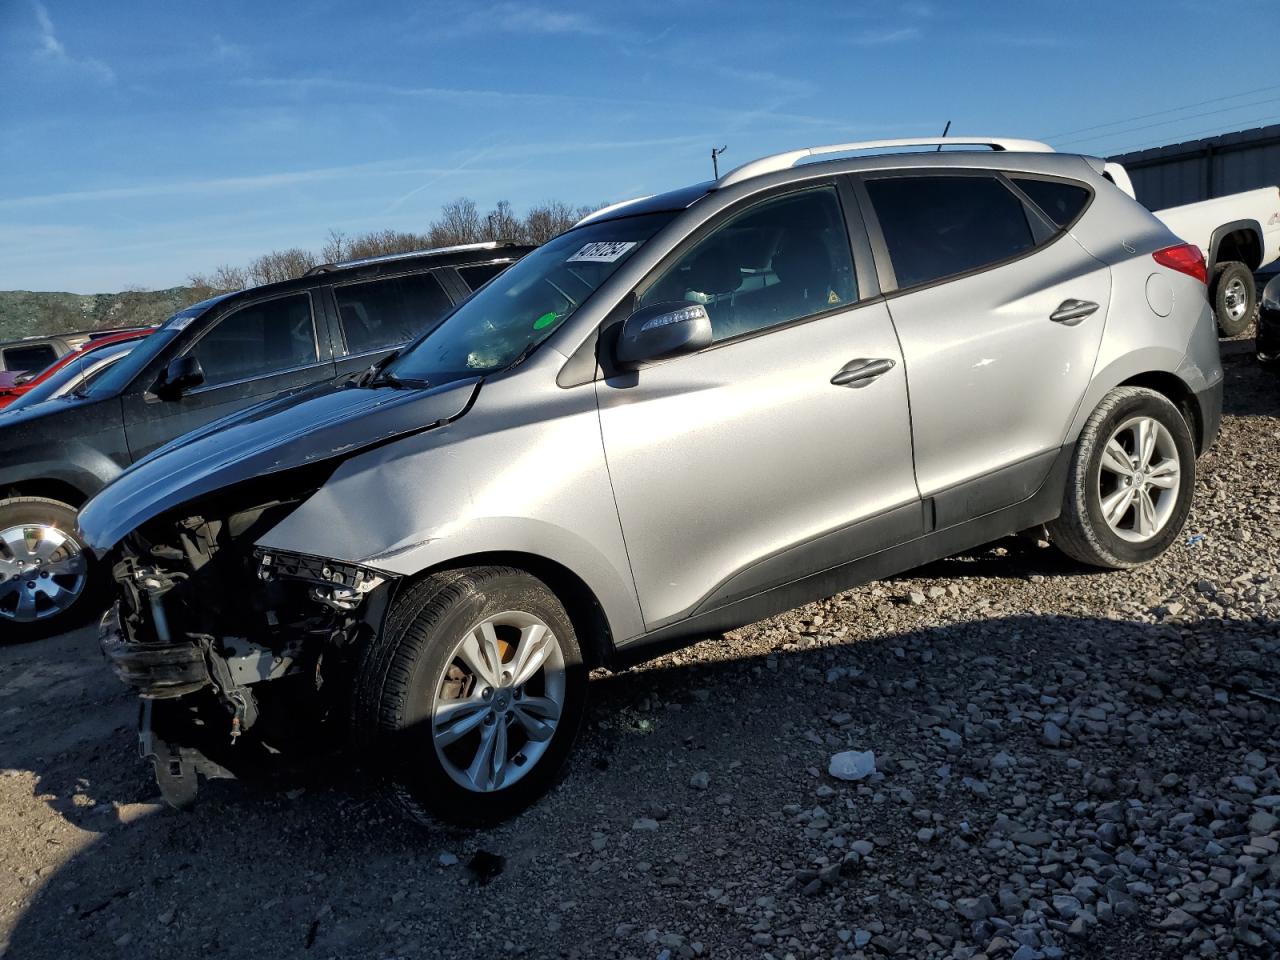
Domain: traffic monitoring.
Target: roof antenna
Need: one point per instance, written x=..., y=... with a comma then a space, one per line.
x=944, y=133
x=715, y=165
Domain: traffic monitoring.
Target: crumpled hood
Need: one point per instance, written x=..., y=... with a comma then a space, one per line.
x=329, y=422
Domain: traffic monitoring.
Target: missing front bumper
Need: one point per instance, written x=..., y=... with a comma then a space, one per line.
x=155, y=671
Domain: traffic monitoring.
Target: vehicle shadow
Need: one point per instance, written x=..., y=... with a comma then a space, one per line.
x=1248, y=390
x=320, y=869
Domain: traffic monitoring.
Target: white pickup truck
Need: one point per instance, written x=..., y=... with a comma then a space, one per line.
x=1239, y=234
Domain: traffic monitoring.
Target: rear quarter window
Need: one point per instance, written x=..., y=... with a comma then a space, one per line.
x=1060, y=202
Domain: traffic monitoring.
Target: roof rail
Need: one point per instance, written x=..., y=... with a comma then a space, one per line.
x=785, y=161
x=364, y=261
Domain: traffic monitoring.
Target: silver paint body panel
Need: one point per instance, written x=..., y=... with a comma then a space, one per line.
x=656, y=487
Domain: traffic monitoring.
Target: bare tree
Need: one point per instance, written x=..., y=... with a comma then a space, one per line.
x=382, y=242
x=501, y=223
x=459, y=222
x=223, y=280
x=549, y=220
x=281, y=265
x=336, y=248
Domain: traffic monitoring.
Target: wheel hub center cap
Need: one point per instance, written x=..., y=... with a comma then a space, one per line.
x=502, y=701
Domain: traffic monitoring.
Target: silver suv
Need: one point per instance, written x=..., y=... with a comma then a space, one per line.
x=688, y=412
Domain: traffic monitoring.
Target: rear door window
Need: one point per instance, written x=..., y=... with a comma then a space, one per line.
x=259, y=340
x=1060, y=202
x=388, y=312
x=477, y=275
x=937, y=226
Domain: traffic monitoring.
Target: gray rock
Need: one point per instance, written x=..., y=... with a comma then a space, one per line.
x=1178, y=919
x=1051, y=734
x=1262, y=822
x=975, y=908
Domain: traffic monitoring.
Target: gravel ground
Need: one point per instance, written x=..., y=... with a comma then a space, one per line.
x=1069, y=764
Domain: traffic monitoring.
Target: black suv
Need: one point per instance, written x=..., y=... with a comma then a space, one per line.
x=207, y=361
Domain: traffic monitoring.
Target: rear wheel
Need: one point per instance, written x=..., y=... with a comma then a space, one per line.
x=1130, y=485
x=472, y=697
x=1234, y=296
x=47, y=581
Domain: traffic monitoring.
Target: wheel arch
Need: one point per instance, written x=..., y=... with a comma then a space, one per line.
x=586, y=612
x=52, y=488
x=1176, y=391
x=1240, y=240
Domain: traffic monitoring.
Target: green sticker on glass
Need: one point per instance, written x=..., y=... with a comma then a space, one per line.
x=544, y=321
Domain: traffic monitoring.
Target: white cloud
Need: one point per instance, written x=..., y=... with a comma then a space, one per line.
x=876, y=38
x=223, y=50
x=521, y=18
x=52, y=50
x=217, y=185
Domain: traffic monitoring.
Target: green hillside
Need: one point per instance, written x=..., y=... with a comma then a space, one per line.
x=25, y=314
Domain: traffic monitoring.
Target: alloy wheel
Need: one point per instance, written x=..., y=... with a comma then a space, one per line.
x=499, y=702
x=1138, y=479
x=42, y=572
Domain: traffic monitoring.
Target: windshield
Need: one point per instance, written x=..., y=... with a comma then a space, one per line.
x=520, y=308
x=91, y=363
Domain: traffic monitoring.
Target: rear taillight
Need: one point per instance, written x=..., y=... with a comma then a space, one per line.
x=1185, y=258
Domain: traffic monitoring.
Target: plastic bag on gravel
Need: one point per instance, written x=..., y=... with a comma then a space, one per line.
x=853, y=765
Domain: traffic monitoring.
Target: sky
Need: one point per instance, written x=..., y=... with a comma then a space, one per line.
x=143, y=141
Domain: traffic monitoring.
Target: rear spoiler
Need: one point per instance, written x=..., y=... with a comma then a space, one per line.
x=1113, y=172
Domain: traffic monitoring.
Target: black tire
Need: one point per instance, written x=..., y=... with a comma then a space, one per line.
x=1236, y=277
x=402, y=669
x=17, y=511
x=1081, y=531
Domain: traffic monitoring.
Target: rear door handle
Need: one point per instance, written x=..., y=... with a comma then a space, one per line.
x=1071, y=312
x=860, y=372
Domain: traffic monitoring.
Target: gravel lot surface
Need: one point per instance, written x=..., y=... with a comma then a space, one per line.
x=1069, y=764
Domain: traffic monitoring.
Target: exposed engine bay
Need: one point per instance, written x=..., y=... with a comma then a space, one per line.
x=238, y=654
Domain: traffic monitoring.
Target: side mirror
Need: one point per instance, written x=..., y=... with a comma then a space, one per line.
x=663, y=330
x=183, y=373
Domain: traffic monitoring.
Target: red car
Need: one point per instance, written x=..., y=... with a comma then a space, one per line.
x=14, y=385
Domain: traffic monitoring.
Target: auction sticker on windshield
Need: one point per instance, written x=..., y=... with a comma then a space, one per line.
x=602, y=251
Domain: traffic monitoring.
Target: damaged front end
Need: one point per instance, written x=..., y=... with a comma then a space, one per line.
x=238, y=654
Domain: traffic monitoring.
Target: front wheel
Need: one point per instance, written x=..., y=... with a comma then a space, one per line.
x=1130, y=483
x=472, y=698
x=47, y=581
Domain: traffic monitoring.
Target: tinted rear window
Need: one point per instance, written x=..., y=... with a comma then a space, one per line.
x=387, y=313
x=1061, y=202
x=939, y=226
x=29, y=358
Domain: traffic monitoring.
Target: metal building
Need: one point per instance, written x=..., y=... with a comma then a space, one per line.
x=1201, y=169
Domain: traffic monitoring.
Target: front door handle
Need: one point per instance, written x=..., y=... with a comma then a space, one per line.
x=860, y=372
x=1071, y=312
